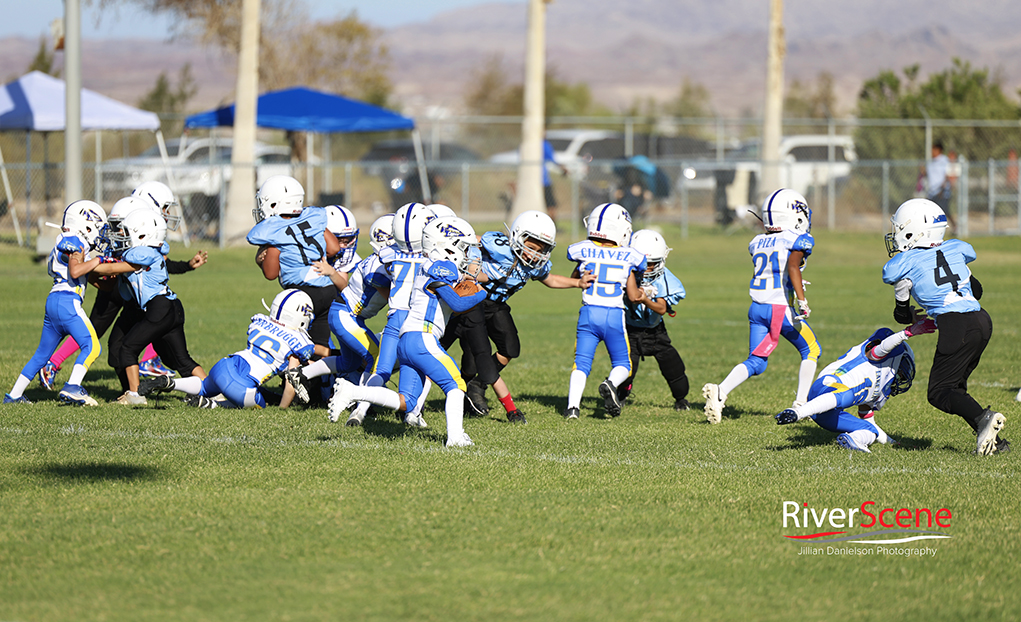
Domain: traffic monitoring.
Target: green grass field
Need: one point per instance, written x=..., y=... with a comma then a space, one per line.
x=170, y=513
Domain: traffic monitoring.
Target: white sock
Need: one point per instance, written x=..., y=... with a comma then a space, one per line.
x=375, y=380
x=192, y=385
x=864, y=437
x=77, y=374
x=380, y=396
x=578, y=380
x=19, y=386
x=417, y=408
x=455, y=413
x=881, y=436
x=821, y=404
x=618, y=375
x=736, y=376
x=806, y=374
x=320, y=367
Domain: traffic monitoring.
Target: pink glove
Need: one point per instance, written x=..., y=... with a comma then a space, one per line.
x=921, y=327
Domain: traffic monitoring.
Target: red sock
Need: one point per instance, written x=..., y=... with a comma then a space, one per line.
x=508, y=403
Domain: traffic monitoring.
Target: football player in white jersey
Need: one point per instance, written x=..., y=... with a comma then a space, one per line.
x=272, y=340
x=84, y=229
x=865, y=376
x=606, y=255
x=446, y=242
x=935, y=273
x=779, y=307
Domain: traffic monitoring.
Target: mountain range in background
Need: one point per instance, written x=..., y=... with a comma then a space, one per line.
x=623, y=51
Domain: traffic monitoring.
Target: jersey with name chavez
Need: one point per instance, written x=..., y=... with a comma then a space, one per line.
x=770, y=282
x=301, y=240
x=269, y=346
x=611, y=266
x=505, y=271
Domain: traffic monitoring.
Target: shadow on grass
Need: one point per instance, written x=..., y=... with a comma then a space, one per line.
x=909, y=443
x=805, y=436
x=90, y=472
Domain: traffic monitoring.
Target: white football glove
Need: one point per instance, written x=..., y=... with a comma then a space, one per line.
x=650, y=291
x=803, y=310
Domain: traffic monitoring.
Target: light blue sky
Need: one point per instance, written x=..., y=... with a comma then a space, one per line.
x=32, y=17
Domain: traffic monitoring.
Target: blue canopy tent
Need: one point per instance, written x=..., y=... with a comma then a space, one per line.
x=305, y=110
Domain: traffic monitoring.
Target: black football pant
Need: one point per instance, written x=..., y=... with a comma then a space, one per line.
x=962, y=337
x=656, y=342
x=162, y=325
x=489, y=320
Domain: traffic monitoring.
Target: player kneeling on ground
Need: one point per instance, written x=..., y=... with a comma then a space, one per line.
x=866, y=376
x=240, y=376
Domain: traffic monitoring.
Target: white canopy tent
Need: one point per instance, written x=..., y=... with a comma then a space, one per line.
x=35, y=102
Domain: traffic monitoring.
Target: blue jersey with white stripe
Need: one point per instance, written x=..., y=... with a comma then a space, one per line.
x=506, y=273
x=145, y=284
x=301, y=241
x=668, y=287
x=940, y=278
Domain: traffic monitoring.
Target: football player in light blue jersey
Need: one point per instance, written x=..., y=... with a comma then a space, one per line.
x=446, y=242
x=291, y=238
x=865, y=376
x=508, y=263
x=779, y=307
x=272, y=341
x=646, y=330
x=152, y=312
x=606, y=255
x=83, y=229
x=935, y=273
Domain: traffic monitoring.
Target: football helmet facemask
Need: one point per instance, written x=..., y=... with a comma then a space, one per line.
x=786, y=210
x=293, y=309
x=341, y=223
x=917, y=223
x=653, y=246
x=162, y=198
x=280, y=195
x=609, y=222
x=449, y=239
x=536, y=227
x=905, y=372
x=141, y=227
x=87, y=220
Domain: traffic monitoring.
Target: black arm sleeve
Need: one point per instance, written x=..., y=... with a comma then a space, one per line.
x=902, y=312
x=976, y=288
x=178, y=267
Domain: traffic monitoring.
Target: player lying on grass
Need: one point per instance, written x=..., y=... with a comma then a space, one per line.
x=239, y=377
x=446, y=243
x=866, y=376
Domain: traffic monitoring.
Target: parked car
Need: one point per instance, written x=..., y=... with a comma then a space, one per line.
x=394, y=162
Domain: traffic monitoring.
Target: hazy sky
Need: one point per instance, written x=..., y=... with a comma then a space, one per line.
x=32, y=17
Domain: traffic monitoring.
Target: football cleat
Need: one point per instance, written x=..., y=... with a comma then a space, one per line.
x=516, y=416
x=353, y=421
x=298, y=382
x=682, y=404
x=475, y=399
x=200, y=401
x=847, y=441
x=15, y=400
x=571, y=413
x=1018, y=398
x=154, y=367
x=989, y=425
x=610, y=398
x=786, y=416
x=341, y=399
x=76, y=395
x=415, y=421
x=132, y=400
x=714, y=402
x=47, y=375
x=460, y=440
x=155, y=384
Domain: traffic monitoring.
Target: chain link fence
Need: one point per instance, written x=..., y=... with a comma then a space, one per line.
x=704, y=172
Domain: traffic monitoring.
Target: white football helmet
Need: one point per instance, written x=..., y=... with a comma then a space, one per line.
x=786, y=210
x=293, y=309
x=162, y=198
x=141, y=227
x=654, y=247
x=125, y=206
x=341, y=223
x=540, y=229
x=409, y=221
x=440, y=211
x=280, y=195
x=87, y=220
x=609, y=222
x=381, y=234
x=449, y=239
x=917, y=223
x=905, y=371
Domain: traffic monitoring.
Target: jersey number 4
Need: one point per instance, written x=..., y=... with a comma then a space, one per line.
x=943, y=274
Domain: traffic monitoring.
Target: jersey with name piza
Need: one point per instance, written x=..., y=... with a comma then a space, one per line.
x=301, y=240
x=611, y=266
x=770, y=282
x=269, y=346
x=940, y=278
x=506, y=273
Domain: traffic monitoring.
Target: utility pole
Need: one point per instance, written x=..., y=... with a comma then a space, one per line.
x=237, y=218
x=529, y=193
x=73, y=101
x=772, y=124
